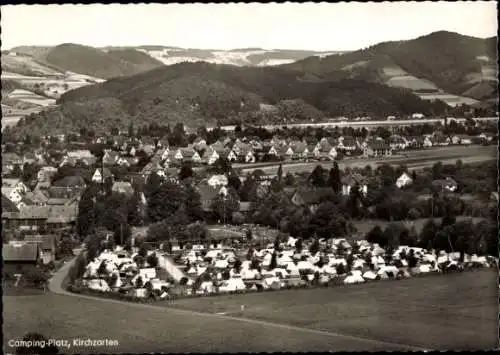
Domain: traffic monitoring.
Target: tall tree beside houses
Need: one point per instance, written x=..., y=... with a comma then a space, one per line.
x=280, y=173
x=165, y=201
x=186, y=170
x=131, y=130
x=86, y=219
x=317, y=177
x=153, y=184
x=334, y=178
x=225, y=205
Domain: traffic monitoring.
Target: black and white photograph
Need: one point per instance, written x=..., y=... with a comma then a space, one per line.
x=249, y=177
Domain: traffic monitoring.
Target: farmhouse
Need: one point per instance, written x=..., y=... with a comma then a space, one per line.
x=101, y=174
x=46, y=244
x=19, y=256
x=404, y=180
x=349, y=181
x=377, y=148
x=311, y=197
x=447, y=184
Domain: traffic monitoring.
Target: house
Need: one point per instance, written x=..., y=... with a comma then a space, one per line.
x=377, y=148
x=46, y=173
x=29, y=218
x=217, y=180
x=427, y=143
x=208, y=194
x=187, y=154
x=127, y=161
x=398, y=142
x=465, y=140
x=10, y=161
x=110, y=157
x=101, y=174
x=300, y=151
x=415, y=142
x=231, y=156
x=404, y=180
x=12, y=194
x=34, y=198
x=16, y=184
x=8, y=205
x=347, y=144
x=122, y=187
x=46, y=244
x=417, y=116
x=19, y=257
x=210, y=156
x=311, y=197
x=351, y=180
x=447, y=184
x=62, y=216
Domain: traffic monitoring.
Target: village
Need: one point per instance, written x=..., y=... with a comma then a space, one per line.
x=45, y=209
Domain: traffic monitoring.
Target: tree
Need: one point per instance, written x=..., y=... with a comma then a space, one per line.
x=152, y=260
x=36, y=276
x=334, y=178
x=289, y=179
x=186, y=170
x=273, y=264
x=298, y=245
x=131, y=131
x=102, y=269
x=86, y=220
x=139, y=283
x=224, y=205
x=234, y=182
x=437, y=171
x=317, y=177
x=375, y=235
x=280, y=173
x=314, y=247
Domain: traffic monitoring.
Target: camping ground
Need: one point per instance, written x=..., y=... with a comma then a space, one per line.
x=456, y=311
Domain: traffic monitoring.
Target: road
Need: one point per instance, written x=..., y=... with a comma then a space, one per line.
x=331, y=338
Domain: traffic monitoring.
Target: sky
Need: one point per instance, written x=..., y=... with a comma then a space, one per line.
x=312, y=26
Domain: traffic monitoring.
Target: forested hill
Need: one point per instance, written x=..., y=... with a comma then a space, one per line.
x=201, y=93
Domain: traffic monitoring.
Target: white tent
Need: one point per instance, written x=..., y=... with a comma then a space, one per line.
x=98, y=285
x=221, y=263
x=292, y=269
x=305, y=265
x=354, y=278
x=147, y=273
x=231, y=285
x=429, y=257
x=213, y=253
x=284, y=259
x=207, y=287
x=369, y=275
x=247, y=274
x=358, y=264
x=388, y=270
x=291, y=242
x=271, y=281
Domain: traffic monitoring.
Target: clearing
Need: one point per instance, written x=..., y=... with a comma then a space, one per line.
x=456, y=311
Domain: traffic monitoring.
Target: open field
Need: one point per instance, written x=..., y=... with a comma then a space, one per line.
x=457, y=311
x=451, y=100
x=142, y=328
x=414, y=160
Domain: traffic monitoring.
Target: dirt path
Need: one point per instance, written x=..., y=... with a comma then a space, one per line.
x=55, y=286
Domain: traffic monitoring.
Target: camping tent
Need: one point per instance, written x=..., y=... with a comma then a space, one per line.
x=369, y=275
x=388, y=271
x=354, y=277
